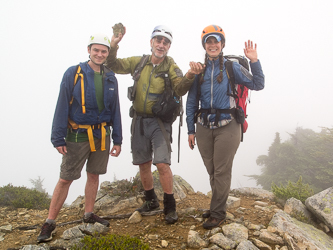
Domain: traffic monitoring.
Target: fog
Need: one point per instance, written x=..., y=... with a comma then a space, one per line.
x=41, y=39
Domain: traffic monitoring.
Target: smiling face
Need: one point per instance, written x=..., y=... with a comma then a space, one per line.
x=98, y=53
x=213, y=47
x=159, y=47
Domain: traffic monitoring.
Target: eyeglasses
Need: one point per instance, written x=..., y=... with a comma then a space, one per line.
x=163, y=32
x=160, y=39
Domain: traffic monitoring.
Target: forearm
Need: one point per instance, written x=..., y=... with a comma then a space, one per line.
x=183, y=85
x=258, y=75
x=111, y=60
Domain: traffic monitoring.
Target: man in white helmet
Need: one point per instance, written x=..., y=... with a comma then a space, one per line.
x=148, y=143
x=88, y=104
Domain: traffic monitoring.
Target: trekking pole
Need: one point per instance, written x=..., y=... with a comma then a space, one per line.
x=180, y=125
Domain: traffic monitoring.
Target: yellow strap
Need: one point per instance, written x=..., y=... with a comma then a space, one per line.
x=103, y=132
x=82, y=89
x=82, y=95
x=90, y=136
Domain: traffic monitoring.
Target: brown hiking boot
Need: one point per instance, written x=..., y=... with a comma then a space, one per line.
x=212, y=222
x=46, y=233
x=206, y=214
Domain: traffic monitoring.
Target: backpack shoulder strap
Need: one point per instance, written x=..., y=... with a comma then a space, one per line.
x=139, y=67
x=77, y=74
x=231, y=77
x=137, y=73
x=76, y=79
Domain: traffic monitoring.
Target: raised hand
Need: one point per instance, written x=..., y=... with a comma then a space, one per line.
x=116, y=40
x=250, y=52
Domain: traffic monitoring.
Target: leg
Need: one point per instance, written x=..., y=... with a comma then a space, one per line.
x=91, y=191
x=96, y=165
x=166, y=178
x=169, y=201
x=70, y=170
x=205, y=143
x=151, y=201
x=226, y=140
x=146, y=176
x=58, y=198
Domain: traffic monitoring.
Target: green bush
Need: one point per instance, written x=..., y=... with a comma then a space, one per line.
x=22, y=197
x=298, y=190
x=111, y=241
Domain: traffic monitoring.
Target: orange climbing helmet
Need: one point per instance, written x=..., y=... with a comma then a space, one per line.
x=212, y=30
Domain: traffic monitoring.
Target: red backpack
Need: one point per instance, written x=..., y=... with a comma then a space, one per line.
x=241, y=93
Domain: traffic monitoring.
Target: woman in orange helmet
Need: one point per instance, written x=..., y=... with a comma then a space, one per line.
x=210, y=111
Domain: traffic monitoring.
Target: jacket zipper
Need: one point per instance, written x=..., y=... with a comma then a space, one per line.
x=211, y=87
x=147, y=92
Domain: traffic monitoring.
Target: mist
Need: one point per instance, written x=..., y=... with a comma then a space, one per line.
x=41, y=39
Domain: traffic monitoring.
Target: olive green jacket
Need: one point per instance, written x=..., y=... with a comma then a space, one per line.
x=149, y=87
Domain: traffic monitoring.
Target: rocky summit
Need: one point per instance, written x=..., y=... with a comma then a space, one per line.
x=254, y=221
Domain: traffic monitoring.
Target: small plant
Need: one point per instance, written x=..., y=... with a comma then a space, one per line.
x=126, y=188
x=298, y=190
x=22, y=197
x=299, y=216
x=111, y=241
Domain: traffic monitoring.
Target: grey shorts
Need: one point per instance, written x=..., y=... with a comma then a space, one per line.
x=148, y=142
x=78, y=153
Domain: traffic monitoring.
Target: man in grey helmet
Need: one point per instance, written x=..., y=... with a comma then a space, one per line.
x=149, y=144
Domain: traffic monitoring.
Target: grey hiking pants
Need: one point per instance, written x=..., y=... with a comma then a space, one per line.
x=218, y=148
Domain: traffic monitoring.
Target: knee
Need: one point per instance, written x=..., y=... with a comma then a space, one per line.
x=64, y=183
x=92, y=177
x=145, y=168
x=163, y=168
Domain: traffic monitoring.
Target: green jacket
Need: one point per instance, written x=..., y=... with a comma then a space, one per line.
x=149, y=87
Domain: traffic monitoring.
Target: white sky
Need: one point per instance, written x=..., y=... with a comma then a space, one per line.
x=39, y=40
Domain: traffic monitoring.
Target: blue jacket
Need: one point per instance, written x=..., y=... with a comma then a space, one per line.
x=110, y=114
x=215, y=94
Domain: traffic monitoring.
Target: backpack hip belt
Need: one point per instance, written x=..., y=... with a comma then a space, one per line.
x=89, y=129
x=217, y=113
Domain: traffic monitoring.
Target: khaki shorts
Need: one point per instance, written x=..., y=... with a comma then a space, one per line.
x=148, y=142
x=78, y=153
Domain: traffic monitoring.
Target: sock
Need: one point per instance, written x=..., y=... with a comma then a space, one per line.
x=168, y=197
x=169, y=203
x=150, y=195
x=51, y=222
x=86, y=215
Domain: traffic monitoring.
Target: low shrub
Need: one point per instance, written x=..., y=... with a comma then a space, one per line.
x=298, y=190
x=111, y=241
x=22, y=197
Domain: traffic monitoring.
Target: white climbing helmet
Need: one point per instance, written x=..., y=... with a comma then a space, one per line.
x=99, y=38
x=162, y=30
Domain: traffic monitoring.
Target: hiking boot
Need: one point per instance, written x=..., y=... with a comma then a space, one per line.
x=92, y=218
x=212, y=222
x=46, y=233
x=171, y=217
x=148, y=206
x=169, y=210
x=206, y=214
